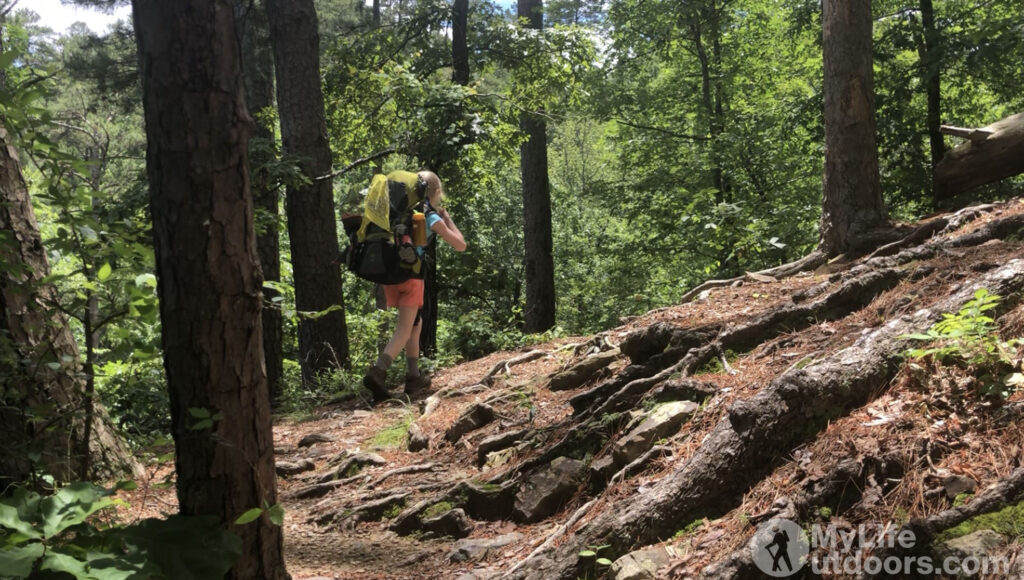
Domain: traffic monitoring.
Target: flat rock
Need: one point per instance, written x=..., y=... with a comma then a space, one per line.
x=287, y=468
x=974, y=545
x=313, y=438
x=583, y=371
x=476, y=416
x=353, y=465
x=640, y=565
x=497, y=443
x=547, y=490
x=452, y=523
x=476, y=549
x=664, y=421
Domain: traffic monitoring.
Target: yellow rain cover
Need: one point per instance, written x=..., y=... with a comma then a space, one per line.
x=377, y=207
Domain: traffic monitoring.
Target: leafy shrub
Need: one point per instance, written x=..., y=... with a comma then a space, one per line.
x=51, y=537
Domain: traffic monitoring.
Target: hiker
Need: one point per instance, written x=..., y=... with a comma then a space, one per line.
x=408, y=298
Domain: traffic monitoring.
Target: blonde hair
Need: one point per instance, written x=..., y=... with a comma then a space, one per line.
x=433, y=184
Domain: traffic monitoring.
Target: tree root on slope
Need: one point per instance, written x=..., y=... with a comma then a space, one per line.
x=788, y=411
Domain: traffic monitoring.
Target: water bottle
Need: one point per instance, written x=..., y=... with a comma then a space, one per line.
x=419, y=229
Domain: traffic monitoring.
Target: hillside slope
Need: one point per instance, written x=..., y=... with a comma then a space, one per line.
x=689, y=429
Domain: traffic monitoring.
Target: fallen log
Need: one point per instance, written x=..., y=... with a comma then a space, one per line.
x=755, y=434
x=980, y=161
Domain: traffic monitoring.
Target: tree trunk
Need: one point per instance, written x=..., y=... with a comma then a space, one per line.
x=312, y=229
x=208, y=273
x=460, y=48
x=931, y=59
x=539, y=264
x=258, y=65
x=852, y=203
x=982, y=161
x=43, y=407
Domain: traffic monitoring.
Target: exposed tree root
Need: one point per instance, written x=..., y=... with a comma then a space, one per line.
x=786, y=412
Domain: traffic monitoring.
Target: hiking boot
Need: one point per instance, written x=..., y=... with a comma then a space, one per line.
x=416, y=384
x=374, y=381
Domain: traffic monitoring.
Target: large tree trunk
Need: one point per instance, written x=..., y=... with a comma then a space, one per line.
x=258, y=64
x=312, y=229
x=208, y=273
x=460, y=48
x=852, y=204
x=982, y=159
x=539, y=263
x=44, y=409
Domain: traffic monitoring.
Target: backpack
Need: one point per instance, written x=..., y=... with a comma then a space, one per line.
x=380, y=249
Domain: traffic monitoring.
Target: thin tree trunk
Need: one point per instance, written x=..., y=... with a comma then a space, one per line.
x=931, y=59
x=539, y=264
x=312, y=229
x=852, y=204
x=208, y=272
x=258, y=64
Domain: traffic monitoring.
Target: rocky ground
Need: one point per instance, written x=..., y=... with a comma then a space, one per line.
x=665, y=444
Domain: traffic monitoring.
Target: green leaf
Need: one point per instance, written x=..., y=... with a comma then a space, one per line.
x=59, y=562
x=204, y=424
x=71, y=506
x=249, y=516
x=184, y=547
x=19, y=511
x=276, y=514
x=146, y=280
x=18, y=562
x=104, y=272
x=587, y=554
x=199, y=412
x=604, y=562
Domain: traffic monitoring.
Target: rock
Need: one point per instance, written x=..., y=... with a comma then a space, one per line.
x=955, y=485
x=314, y=438
x=977, y=545
x=474, y=417
x=287, y=468
x=662, y=422
x=452, y=523
x=601, y=470
x=497, y=443
x=371, y=511
x=683, y=389
x=640, y=565
x=583, y=371
x=418, y=440
x=352, y=466
x=547, y=490
x=282, y=450
x=474, y=550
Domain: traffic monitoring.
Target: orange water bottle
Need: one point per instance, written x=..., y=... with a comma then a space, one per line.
x=419, y=229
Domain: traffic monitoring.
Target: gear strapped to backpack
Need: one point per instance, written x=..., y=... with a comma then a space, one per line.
x=381, y=249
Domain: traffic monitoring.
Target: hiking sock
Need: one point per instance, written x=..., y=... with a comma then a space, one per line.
x=412, y=368
x=384, y=361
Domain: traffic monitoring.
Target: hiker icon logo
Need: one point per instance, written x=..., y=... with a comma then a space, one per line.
x=779, y=548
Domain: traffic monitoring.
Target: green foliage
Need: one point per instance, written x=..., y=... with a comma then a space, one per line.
x=439, y=508
x=52, y=537
x=1008, y=521
x=970, y=338
x=394, y=436
x=591, y=557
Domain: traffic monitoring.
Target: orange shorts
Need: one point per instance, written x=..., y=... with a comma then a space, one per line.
x=408, y=293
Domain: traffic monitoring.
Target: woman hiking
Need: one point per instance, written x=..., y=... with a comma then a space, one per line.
x=407, y=297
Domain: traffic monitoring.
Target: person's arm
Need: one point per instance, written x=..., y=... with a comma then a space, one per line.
x=448, y=231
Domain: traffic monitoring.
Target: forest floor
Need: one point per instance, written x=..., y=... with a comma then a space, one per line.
x=930, y=439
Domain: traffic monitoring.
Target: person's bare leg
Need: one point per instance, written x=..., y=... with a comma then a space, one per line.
x=375, y=379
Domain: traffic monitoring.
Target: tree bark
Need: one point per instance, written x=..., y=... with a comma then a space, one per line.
x=852, y=203
x=208, y=273
x=977, y=163
x=460, y=48
x=258, y=68
x=539, y=264
x=44, y=409
x=931, y=59
x=312, y=230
